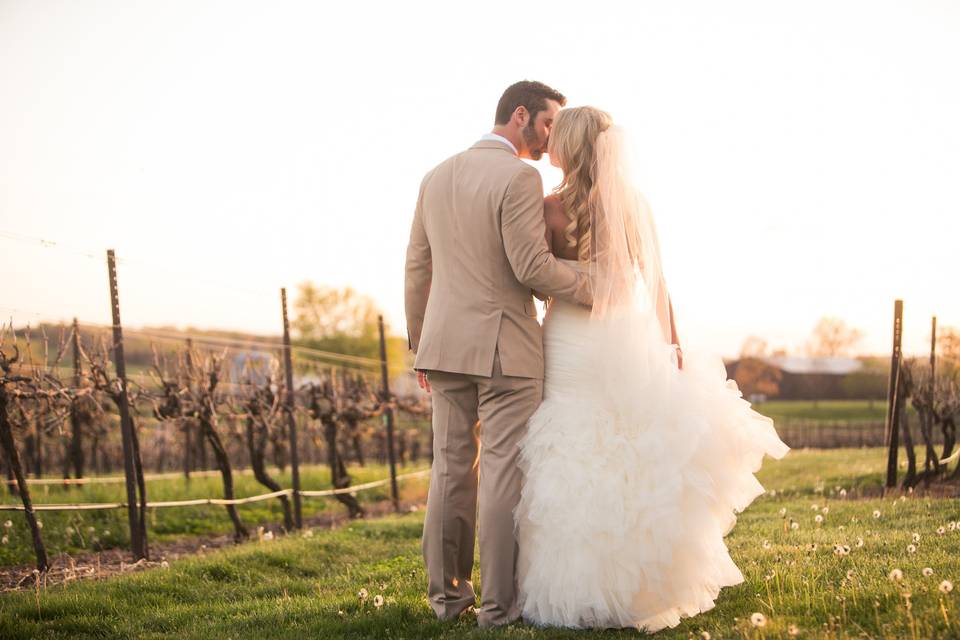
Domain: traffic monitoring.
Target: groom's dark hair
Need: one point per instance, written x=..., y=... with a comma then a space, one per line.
x=529, y=93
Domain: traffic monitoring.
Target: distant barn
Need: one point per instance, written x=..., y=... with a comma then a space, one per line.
x=811, y=378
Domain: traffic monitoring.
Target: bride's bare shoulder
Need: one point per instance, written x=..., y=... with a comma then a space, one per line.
x=553, y=213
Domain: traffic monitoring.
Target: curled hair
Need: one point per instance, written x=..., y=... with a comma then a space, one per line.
x=573, y=143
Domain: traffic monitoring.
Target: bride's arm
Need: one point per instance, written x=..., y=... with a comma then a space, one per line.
x=548, y=212
x=674, y=338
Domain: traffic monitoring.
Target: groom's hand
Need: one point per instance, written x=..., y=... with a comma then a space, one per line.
x=422, y=381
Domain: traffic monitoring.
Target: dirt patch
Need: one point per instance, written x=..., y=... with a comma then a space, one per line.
x=66, y=568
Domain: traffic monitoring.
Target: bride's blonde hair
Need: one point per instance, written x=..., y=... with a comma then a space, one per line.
x=572, y=143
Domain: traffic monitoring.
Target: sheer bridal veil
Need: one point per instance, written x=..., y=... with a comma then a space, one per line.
x=625, y=266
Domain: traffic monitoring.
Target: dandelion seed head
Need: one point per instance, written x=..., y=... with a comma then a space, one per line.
x=896, y=575
x=916, y=537
x=766, y=544
x=783, y=512
x=819, y=519
x=793, y=630
x=8, y=524
x=378, y=601
x=911, y=548
x=362, y=594
x=946, y=586
x=794, y=525
x=927, y=572
x=5, y=540
x=758, y=620
x=825, y=510
x=941, y=530
x=876, y=513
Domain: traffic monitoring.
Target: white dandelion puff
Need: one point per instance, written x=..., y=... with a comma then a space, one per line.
x=362, y=594
x=39, y=524
x=819, y=519
x=9, y=523
x=946, y=586
x=916, y=537
x=941, y=531
x=859, y=542
x=876, y=513
x=378, y=601
x=927, y=572
x=783, y=513
x=825, y=510
x=5, y=540
x=793, y=630
x=850, y=574
x=896, y=575
x=911, y=548
x=268, y=536
x=766, y=544
x=758, y=620
x=794, y=525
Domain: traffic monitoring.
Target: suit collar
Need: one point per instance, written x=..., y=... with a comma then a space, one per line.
x=493, y=144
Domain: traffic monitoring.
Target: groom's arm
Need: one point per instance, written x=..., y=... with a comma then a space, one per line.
x=419, y=271
x=525, y=243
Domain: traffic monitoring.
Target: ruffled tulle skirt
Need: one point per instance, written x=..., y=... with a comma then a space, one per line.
x=634, y=472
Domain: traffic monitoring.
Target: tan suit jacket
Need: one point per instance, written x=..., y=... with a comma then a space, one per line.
x=476, y=251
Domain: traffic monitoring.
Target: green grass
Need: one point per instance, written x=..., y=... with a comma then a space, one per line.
x=70, y=531
x=306, y=587
x=826, y=410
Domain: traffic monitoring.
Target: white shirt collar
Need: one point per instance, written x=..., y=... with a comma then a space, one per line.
x=498, y=138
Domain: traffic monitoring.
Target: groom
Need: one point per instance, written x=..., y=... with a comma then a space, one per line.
x=477, y=249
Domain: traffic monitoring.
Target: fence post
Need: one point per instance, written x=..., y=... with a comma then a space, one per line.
x=388, y=413
x=138, y=535
x=892, y=435
x=291, y=422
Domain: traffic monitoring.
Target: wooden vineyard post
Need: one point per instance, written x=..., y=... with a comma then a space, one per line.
x=138, y=534
x=933, y=359
x=893, y=395
x=288, y=409
x=388, y=415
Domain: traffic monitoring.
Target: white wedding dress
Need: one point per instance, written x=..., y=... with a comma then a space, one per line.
x=631, y=482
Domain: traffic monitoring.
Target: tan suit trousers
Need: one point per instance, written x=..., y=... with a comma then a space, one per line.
x=502, y=404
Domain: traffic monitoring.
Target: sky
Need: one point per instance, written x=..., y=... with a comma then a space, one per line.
x=801, y=159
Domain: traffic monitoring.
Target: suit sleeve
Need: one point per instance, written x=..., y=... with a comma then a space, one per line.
x=524, y=239
x=418, y=274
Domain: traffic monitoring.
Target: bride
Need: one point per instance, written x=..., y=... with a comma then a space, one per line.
x=638, y=460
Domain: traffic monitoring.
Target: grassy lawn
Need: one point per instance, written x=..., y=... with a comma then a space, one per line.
x=827, y=410
x=75, y=531
x=297, y=587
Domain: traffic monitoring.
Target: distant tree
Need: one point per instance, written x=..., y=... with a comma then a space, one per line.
x=754, y=376
x=832, y=337
x=753, y=347
x=342, y=321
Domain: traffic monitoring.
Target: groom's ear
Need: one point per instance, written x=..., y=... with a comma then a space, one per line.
x=521, y=115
